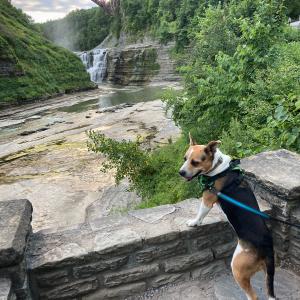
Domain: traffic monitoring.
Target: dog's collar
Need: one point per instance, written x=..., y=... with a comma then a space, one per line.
x=218, y=163
x=208, y=182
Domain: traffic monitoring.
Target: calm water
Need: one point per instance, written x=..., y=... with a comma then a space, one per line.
x=118, y=96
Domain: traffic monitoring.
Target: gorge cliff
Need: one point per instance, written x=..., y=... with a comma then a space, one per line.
x=32, y=67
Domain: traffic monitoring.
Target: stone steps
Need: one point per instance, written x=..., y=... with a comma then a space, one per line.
x=224, y=287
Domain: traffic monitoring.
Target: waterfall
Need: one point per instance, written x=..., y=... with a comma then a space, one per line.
x=95, y=62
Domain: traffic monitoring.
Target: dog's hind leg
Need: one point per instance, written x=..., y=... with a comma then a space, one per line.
x=245, y=263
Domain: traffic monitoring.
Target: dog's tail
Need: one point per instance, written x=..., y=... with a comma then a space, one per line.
x=270, y=271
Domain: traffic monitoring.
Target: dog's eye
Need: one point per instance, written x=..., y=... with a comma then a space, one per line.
x=195, y=163
x=203, y=157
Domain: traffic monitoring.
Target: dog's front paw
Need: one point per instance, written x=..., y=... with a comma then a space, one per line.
x=193, y=222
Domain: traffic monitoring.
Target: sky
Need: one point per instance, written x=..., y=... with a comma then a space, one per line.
x=45, y=10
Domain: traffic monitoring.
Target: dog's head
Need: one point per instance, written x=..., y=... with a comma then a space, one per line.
x=198, y=159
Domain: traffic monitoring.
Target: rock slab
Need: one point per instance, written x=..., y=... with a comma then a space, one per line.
x=14, y=230
x=276, y=171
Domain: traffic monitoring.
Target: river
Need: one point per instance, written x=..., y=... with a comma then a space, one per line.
x=44, y=158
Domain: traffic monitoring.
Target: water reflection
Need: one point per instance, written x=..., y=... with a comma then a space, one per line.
x=115, y=97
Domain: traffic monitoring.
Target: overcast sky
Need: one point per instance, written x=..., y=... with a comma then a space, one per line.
x=44, y=10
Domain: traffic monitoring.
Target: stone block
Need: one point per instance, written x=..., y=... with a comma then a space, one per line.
x=59, y=256
x=225, y=250
x=168, y=279
x=120, y=292
x=53, y=278
x=214, y=239
x=6, y=292
x=209, y=270
x=15, y=219
x=94, y=268
x=131, y=275
x=185, y=262
x=120, y=240
x=205, y=230
x=272, y=170
x=70, y=290
x=16, y=273
x=165, y=250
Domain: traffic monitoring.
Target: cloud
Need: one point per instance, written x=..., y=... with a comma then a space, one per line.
x=43, y=10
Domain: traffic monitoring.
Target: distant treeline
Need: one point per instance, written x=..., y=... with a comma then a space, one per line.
x=163, y=19
x=79, y=30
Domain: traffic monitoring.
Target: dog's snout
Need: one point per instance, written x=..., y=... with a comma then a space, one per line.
x=182, y=173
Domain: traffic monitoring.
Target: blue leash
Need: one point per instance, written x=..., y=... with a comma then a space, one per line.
x=242, y=205
x=250, y=209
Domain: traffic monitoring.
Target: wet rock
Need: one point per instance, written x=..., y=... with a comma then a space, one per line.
x=114, y=108
x=36, y=117
x=28, y=132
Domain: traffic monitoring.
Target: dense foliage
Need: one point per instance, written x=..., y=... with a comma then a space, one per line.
x=80, y=30
x=164, y=20
x=247, y=80
x=36, y=68
x=242, y=86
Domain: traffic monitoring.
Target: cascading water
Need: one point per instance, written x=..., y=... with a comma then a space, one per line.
x=95, y=62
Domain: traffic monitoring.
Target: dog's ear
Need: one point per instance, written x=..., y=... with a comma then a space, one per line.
x=192, y=141
x=212, y=146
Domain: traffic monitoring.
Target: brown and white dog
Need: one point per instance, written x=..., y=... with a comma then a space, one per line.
x=254, y=251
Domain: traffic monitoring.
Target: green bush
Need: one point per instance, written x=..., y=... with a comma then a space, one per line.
x=153, y=174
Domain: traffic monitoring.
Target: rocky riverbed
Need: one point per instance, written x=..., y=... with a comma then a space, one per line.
x=44, y=157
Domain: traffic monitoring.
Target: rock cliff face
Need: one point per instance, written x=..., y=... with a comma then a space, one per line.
x=138, y=62
x=132, y=65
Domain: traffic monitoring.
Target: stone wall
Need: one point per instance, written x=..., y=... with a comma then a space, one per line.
x=15, y=219
x=115, y=257
x=111, y=258
x=275, y=178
